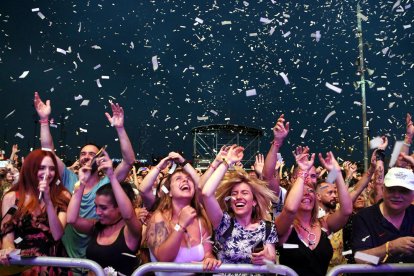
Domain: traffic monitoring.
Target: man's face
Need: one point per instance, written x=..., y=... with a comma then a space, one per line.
x=87, y=153
x=397, y=198
x=327, y=196
x=312, y=177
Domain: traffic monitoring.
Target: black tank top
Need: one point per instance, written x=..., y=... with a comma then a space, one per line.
x=111, y=255
x=304, y=260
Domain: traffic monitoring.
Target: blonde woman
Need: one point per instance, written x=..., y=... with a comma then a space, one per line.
x=238, y=207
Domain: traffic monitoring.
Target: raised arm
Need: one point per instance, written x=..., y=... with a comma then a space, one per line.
x=213, y=166
x=338, y=219
x=57, y=222
x=128, y=155
x=46, y=140
x=187, y=167
x=81, y=224
x=212, y=207
x=134, y=226
x=145, y=189
x=284, y=221
x=280, y=131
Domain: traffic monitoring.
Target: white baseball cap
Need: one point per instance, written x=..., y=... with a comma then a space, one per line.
x=399, y=177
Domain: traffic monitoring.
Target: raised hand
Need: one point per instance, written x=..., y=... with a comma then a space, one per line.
x=117, y=119
x=329, y=162
x=43, y=110
x=303, y=161
x=410, y=126
x=259, y=164
x=176, y=157
x=105, y=164
x=350, y=168
x=384, y=144
x=280, y=130
x=234, y=154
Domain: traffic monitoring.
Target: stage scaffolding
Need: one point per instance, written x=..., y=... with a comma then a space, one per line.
x=207, y=141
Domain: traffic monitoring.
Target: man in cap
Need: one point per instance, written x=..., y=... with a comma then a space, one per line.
x=386, y=229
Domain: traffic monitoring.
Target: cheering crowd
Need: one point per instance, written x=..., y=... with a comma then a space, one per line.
x=310, y=218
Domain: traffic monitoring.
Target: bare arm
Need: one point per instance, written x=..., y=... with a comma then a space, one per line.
x=46, y=140
x=213, y=166
x=212, y=207
x=128, y=155
x=285, y=219
x=280, y=131
x=338, y=219
x=8, y=201
x=403, y=245
x=81, y=224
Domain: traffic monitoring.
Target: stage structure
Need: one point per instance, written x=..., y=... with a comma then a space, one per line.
x=207, y=141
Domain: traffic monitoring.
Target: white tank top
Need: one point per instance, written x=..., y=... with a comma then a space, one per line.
x=185, y=255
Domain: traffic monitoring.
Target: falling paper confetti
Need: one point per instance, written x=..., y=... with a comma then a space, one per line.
x=154, y=63
x=285, y=78
x=329, y=116
x=333, y=88
x=24, y=74
x=251, y=92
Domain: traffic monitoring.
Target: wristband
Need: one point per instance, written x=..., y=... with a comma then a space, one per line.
x=380, y=155
x=275, y=143
x=226, y=163
x=211, y=166
x=185, y=162
x=302, y=174
x=44, y=121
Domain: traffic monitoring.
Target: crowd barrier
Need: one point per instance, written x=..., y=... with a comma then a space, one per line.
x=198, y=268
x=224, y=268
x=365, y=268
x=60, y=262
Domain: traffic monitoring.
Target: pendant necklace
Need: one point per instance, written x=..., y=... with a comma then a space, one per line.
x=311, y=236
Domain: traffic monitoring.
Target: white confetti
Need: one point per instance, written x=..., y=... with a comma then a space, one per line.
x=333, y=87
x=251, y=92
x=24, y=74
x=83, y=130
x=98, y=83
x=199, y=20
x=96, y=47
x=407, y=26
x=304, y=131
x=348, y=252
x=329, y=116
x=226, y=22
x=154, y=112
x=316, y=35
x=202, y=118
x=395, y=153
x=41, y=15
x=265, y=20
x=11, y=113
x=363, y=17
x=284, y=77
x=18, y=240
x=290, y=246
x=154, y=60
x=105, y=77
x=375, y=143
x=357, y=103
x=85, y=103
x=381, y=88
x=396, y=4
x=35, y=9
x=366, y=258
x=214, y=112
x=19, y=135
x=59, y=50
x=96, y=67
x=79, y=97
x=286, y=34
x=173, y=167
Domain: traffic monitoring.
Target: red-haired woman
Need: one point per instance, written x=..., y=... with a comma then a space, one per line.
x=37, y=224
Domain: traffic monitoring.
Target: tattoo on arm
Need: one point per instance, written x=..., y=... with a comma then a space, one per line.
x=379, y=175
x=157, y=234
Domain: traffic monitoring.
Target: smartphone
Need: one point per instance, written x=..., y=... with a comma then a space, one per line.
x=94, y=165
x=258, y=247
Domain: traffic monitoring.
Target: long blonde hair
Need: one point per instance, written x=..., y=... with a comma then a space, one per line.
x=261, y=194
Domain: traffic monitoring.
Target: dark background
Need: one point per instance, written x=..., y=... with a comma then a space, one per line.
x=227, y=61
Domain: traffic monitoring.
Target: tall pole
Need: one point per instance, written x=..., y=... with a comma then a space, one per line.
x=361, y=70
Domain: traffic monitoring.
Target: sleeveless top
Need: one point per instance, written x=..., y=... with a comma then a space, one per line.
x=111, y=254
x=304, y=260
x=185, y=255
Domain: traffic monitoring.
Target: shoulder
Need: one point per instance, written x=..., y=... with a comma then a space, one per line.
x=9, y=199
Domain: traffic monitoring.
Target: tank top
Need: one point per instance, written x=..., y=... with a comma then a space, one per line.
x=111, y=254
x=312, y=262
x=185, y=255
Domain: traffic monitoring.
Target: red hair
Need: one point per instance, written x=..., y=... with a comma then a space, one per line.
x=28, y=184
